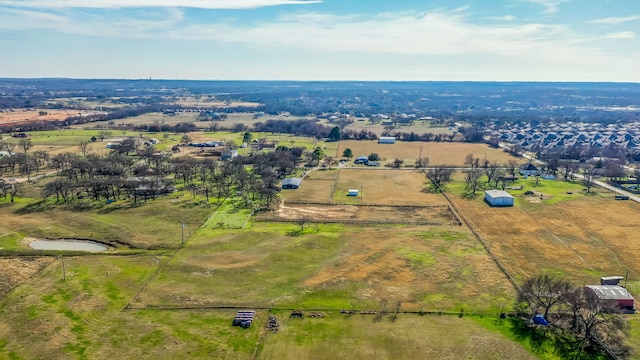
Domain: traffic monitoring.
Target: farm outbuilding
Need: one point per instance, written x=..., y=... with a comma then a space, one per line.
x=612, y=296
x=291, y=183
x=387, y=140
x=353, y=192
x=498, y=198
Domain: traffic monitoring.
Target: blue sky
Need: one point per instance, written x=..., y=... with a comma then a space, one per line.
x=502, y=40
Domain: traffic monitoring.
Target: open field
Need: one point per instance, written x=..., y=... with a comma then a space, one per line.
x=51, y=318
x=577, y=237
x=438, y=153
x=154, y=225
x=335, y=267
x=419, y=127
x=23, y=115
x=369, y=337
x=376, y=186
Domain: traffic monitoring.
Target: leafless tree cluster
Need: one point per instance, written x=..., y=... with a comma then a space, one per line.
x=577, y=319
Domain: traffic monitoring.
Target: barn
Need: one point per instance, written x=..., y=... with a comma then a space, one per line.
x=612, y=296
x=291, y=183
x=498, y=198
x=387, y=140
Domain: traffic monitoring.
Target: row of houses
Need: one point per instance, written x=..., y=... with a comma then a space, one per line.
x=551, y=135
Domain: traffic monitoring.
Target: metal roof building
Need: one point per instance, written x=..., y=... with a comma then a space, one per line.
x=612, y=295
x=387, y=140
x=498, y=198
x=291, y=183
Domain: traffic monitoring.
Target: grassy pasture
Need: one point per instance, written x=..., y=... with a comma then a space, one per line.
x=155, y=224
x=336, y=267
x=79, y=318
x=379, y=186
x=580, y=240
x=438, y=153
x=338, y=336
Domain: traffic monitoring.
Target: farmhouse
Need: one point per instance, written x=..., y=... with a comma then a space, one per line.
x=387, y=140
x=611, y=296
x=498, y=198
x=228, y=154
x=361, y=160
x=529, y=170
x=291, y=183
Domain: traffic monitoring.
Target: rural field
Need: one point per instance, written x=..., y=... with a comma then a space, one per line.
x=21, y=115
x=332, y=267
x=375, y=186
x=438, y=153
x=116, y=224
x=419, y=127
x=578, y=237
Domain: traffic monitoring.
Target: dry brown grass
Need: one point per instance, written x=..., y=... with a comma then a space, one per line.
x=376, y=186
x=438, y=153
x=384, y=186
x=438, y=215
x=22, y=116
x=580, y=240
x=16, y=270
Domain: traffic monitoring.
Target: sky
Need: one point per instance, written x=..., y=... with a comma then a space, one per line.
x=430, y=40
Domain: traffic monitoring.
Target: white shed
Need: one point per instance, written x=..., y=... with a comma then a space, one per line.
x=387, y=140
x=353, y=192
x=498, y=198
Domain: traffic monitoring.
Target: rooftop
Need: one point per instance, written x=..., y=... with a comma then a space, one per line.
x=610, y=292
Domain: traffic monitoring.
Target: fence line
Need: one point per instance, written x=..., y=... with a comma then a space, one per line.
x=466, y=221
x=348, y=221
x=305, y=202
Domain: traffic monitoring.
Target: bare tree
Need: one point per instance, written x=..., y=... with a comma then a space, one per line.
x=439, y=175
x=25, y=144
x=587, y=177
x=84, y=147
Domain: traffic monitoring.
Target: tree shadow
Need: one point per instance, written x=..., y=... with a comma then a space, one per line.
x=37, y=207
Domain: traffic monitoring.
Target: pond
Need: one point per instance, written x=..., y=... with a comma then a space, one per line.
x=70, y=245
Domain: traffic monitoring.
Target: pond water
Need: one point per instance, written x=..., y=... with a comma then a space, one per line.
x=72, y=245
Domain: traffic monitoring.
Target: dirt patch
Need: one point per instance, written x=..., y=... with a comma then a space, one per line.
x=19, y=269
x=391, y=214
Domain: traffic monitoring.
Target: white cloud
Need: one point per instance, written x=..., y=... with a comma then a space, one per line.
x=621, y=35
x=503, y=18
x=550, y=6
x=116, y=4
x=615, y=20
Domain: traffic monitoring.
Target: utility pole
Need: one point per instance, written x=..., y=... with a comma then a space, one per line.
x=64, y=271
x=183, y=233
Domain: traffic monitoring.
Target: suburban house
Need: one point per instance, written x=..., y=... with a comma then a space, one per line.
x=529, y=170
x=498, y=198
x=291, y=183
